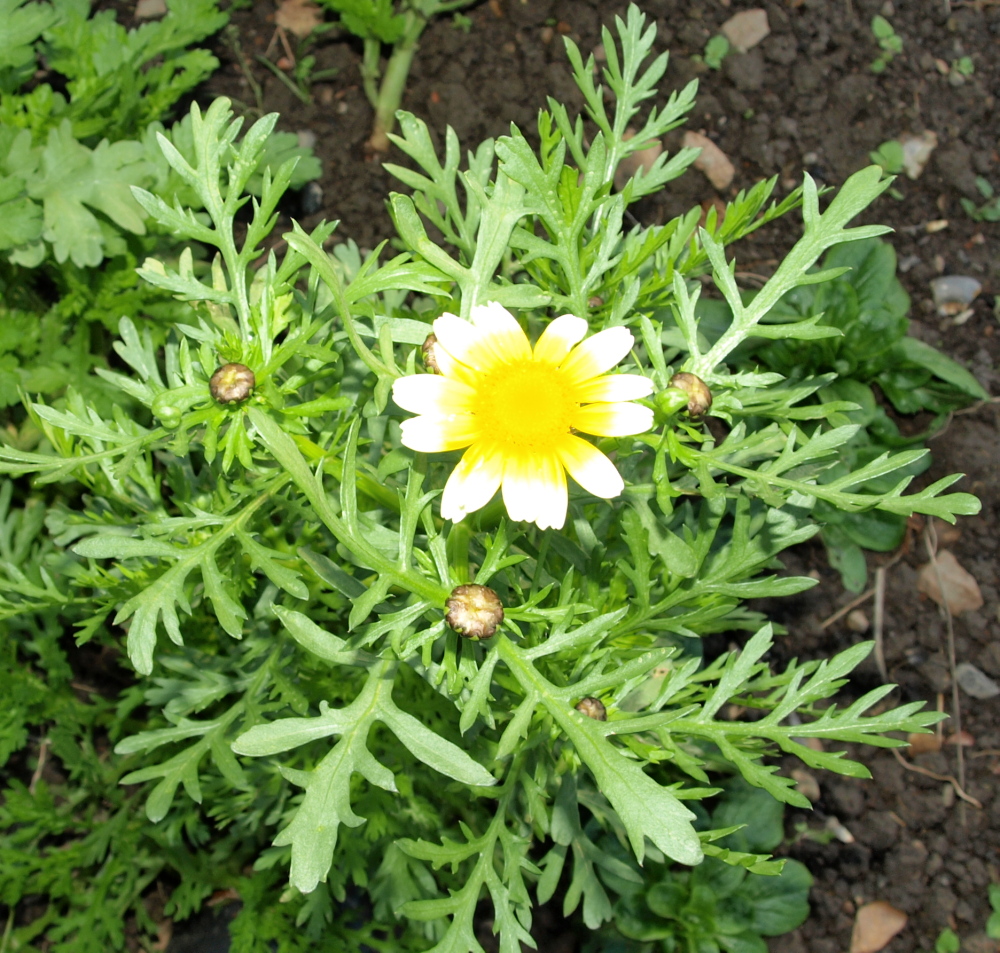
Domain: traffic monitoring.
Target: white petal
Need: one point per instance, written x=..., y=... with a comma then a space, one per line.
x=520, y=488
x=427, y=434
x=553, y=502
x=613, y=420
x=558, y=338
x=534, y=490
x=463, y=342
x=432, y=394
x=610, y=388
x=501, y=333
x=453, y=369
x=598, y=354
x=590, y=468
x=472, y=483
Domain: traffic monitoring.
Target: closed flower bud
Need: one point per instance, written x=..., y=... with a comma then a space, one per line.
x=592, y=708
x=430, y=358
x=169, y=417
x=670, y=401
x=166, y=411
x=474, y=611
x=232, y=383
x=699, y=396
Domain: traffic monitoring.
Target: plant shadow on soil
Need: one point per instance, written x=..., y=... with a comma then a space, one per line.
x=805, y=98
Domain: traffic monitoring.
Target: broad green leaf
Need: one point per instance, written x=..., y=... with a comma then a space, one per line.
x=917, y=352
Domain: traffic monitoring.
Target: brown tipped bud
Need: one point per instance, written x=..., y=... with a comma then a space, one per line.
x=592, y=708
x=232, y=383
x=428, y=350
x=699, y=396
x=474, y=611
x=595, y=302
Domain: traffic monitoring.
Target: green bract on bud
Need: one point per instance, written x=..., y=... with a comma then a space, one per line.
x=474, y=611
x=168, y=414
x=430, y=357
x=698, y=395
x=592, y=708
x=232, y=383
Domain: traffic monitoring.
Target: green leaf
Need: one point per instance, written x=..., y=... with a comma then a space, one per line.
x=917, y=352
x=370, y=19
x=779, y=904
x=645, y=808
x=312, y=832
x=433, y=750
x=73, y=181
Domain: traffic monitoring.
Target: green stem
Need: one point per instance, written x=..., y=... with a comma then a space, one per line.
x=293, y=87
x=385, y=496
x=300, y=242
x=282, y=447
x=390, y=94
x=458, y=551
x=370, y=69
x=528, y=677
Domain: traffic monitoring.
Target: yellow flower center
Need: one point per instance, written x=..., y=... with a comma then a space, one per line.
x=525, y=404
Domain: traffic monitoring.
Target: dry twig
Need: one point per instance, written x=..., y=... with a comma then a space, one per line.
x=43, y=752
x=879, y=622
x=937, y=777
x=853, y=604
x=930, y=541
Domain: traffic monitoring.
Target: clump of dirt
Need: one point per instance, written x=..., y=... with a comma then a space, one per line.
x=803, y=99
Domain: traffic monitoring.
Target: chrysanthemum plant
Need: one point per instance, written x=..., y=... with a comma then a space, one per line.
x=430, y=602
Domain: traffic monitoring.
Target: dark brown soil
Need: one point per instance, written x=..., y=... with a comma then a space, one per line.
x=805, y=98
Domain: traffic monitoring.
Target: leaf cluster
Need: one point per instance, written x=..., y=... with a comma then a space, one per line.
x=720, y=905
x=115, y=81
x=868, y=305
x=68, y=162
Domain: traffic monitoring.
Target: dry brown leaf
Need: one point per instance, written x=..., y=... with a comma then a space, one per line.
x=875, y=925
x=712, y=161
x=960, y=589
x=921, y=743
x=963, y=738
x=300, y=17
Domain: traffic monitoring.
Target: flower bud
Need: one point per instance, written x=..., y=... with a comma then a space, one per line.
x=168, y=414
x=430, y=358
x=232, y=383
x=592, y=708
x=671, y=401
x=474, y=611
x=699, y=396
x=169, y=417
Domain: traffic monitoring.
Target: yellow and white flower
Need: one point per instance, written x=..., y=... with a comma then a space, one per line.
x=516, y=409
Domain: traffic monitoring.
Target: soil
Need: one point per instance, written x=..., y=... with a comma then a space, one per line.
x=804, y=98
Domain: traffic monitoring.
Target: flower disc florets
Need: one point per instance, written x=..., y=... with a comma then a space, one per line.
x=517, y=409
x=474, y=611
